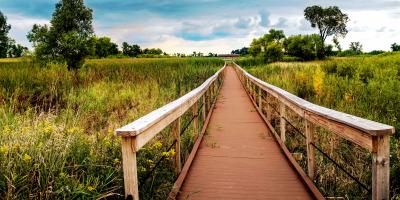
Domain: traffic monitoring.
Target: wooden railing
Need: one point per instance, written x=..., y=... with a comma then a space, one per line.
x=136, y=134
x=370, y=135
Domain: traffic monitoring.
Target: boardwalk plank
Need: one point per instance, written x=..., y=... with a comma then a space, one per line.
x=238, y=158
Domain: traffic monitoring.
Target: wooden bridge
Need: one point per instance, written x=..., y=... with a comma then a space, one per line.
x=238, y=152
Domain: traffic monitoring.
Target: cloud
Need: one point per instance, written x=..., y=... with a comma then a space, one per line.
x=282, y=23
x=264, y=18
x=21, y=25
x=218, y=25
x=381, y=29
x=304, y=25
x=244, y=22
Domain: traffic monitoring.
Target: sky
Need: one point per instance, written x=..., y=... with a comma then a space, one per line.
x=216, y=26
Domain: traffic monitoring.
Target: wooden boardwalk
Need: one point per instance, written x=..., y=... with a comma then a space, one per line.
x=238, y=157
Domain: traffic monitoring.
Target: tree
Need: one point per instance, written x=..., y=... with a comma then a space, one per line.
x=4, y=28
x=307, y=47
x=153, y=51
x=131, y=50
x=356, y=47
x=69, y=36
x=15, y=50
x=329, y=21
x=273, y=52
x=274, y=35
x=337, y=44
x=260, y=45
x=104, y=47
x=243, y=51
x=395, y=47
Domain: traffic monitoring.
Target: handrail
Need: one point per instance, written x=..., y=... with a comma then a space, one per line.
x=167, y=113
x=371, y=127
x=139, y=132
x=368, y=134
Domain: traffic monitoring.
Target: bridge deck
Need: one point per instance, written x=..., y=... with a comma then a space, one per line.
x=238, y=157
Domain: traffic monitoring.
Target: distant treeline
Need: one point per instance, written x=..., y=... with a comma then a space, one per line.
x=330, y=21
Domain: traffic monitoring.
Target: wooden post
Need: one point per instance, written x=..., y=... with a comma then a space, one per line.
x=380, y=167
x=129, y=167
x=247, y=84
x=208, y=99
x=282, y=121
x=196, y=119
x=204, y=108
x=259, y=99
x=269, y=109
x=310, y=130
x=211, y=93
x=176, y=128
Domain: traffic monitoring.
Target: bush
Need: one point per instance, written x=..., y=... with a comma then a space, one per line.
x=307, y=47
x=273, y=52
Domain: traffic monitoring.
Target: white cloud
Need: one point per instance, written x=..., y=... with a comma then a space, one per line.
x=224, y=31
x=264, y=18
x=21, y=25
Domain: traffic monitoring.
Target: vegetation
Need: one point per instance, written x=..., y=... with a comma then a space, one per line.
x=4, y=28
x=8, y=47
x=69, y=36
x=329, y=21
x=104, y=47
x=56, y=135
x=367, y=87
x=395, y=47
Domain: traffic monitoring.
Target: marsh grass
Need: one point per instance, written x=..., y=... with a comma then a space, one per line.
x=56, y=126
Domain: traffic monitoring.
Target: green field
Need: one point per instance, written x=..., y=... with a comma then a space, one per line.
x=365, y=86
x=56, y=126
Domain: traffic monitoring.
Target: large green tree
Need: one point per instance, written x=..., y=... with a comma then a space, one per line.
x=4, y=28
x=269, y=46
x=131, y=50
x=259, y=45
x=15, y=50
x=104, y=47
x=355, y=47
x=329, y=21
x=395, y=47
x=302, y=46
x=69, y=36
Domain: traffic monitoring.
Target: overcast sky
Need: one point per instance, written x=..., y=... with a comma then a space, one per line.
x=216, y=26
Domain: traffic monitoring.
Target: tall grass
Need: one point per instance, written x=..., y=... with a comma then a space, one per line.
x=56, y=126
x=367, y=87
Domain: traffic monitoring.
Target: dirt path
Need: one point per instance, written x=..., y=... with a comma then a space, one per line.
x=238, y=159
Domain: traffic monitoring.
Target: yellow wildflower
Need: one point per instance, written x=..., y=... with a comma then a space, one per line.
x=150, y=161
x=91, y=188
x=116, y=161
x=6, y=130
x=4, y=149
x=15, y=146
x=26, y=158
x=318, y=81
x=25, y=129
x=170, y=153
x=347, y=97
x=157, y=145
x=74, y=130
